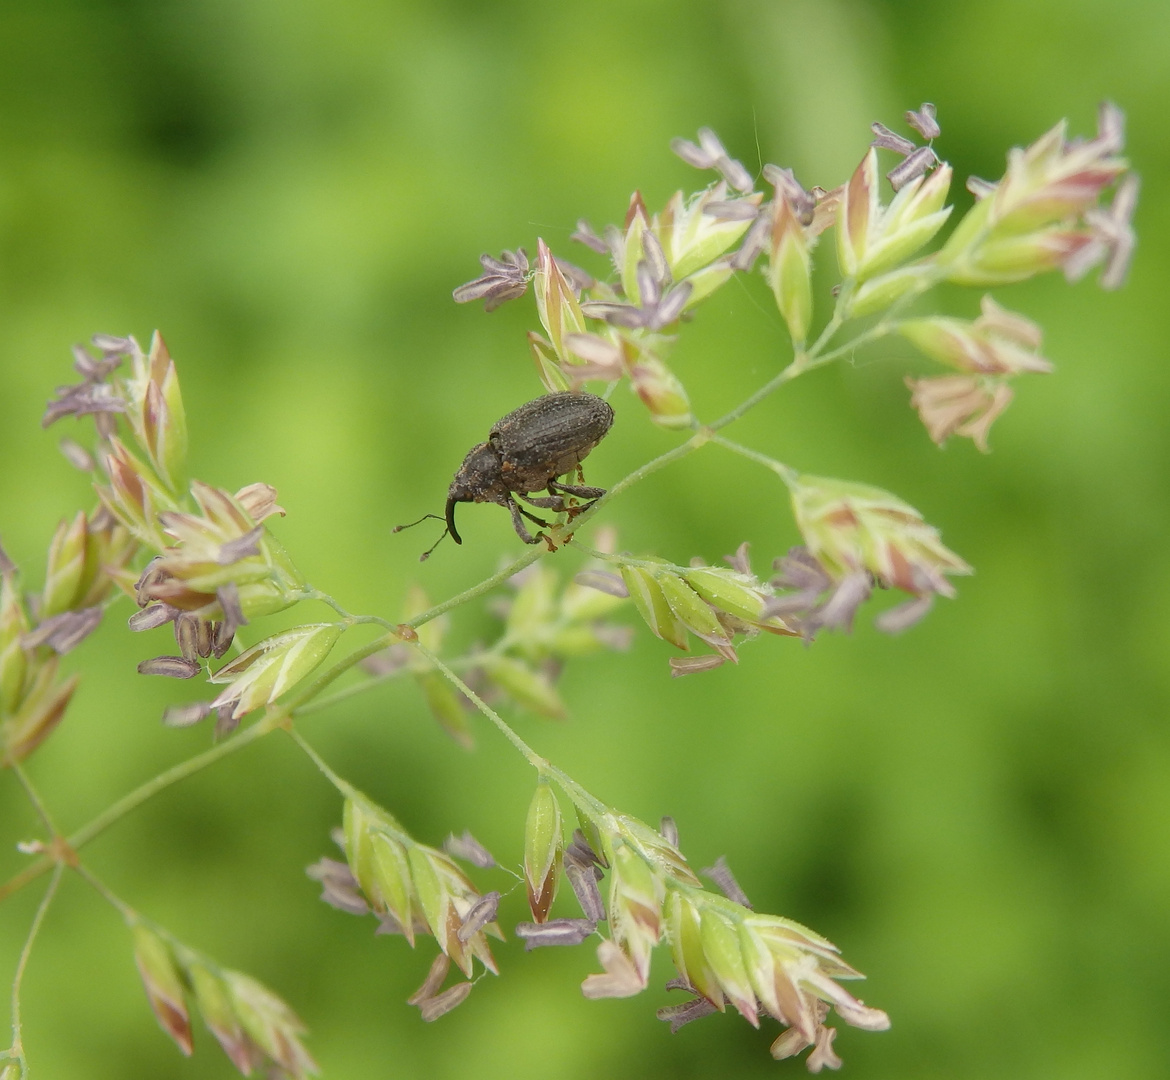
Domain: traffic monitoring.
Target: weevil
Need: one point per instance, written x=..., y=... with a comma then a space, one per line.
x=527, y=451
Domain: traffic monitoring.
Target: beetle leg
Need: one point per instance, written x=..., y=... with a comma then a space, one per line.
x=580, y=491
x=518, y=523
x=552, y=502
x=532, y=517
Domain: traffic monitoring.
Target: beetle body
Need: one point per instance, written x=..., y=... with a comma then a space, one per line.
x=526, y=451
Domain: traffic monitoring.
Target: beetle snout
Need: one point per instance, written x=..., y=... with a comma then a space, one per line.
x=450, y=514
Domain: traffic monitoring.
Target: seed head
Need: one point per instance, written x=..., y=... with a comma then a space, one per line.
x=1043, y=213
x=271, y=667
x=543, y=843
x=872, y=238
x=339, y=888
x=156, y=414
x=695, y=232
x=64, y=632
x=860, y=535
x=415, y=889
x=32, y=698
x=221, y=563
x=270, y=1031
x=964, y=405
x=763, y=965
x=790, y=267
x=162, y=978
x=978, y=348
x=556, y=301
x=467, y=848
x=713, y=603
x=1112, y=238
x=181, y=716
x=721, y=874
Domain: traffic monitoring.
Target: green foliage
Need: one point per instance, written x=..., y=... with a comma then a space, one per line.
x=973, y=811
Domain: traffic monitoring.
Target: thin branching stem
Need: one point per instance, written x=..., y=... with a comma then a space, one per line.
x=837, y=319
x=131, y=801
x=789, y=475
x=343, y=786
x=321, y=704
x=276, y=717
x=543, y=766
x=41, y=865
x=129, y=915
x=797, y=367
x=498, y=578
x=561, y=534
x=878, y=330
x=16, y=1052
x=530, y=755
x=270, y=722
x=38, y=804
x=164, y=780
x=132, y=918
x=348, y=617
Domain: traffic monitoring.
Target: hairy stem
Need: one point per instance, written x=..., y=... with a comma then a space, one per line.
x=530, y=755
x=461, y=663
x=320, y=704
x=797, y=367
x=132, y=917
x=41, y=865
x=274, y=719
x=878, y=330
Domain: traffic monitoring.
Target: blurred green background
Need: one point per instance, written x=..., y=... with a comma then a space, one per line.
x=978, y=812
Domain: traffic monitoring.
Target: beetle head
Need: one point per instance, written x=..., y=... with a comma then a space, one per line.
x=478, y=480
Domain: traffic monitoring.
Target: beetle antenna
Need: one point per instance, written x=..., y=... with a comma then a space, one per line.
x=426, y=554
x=399, y=528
